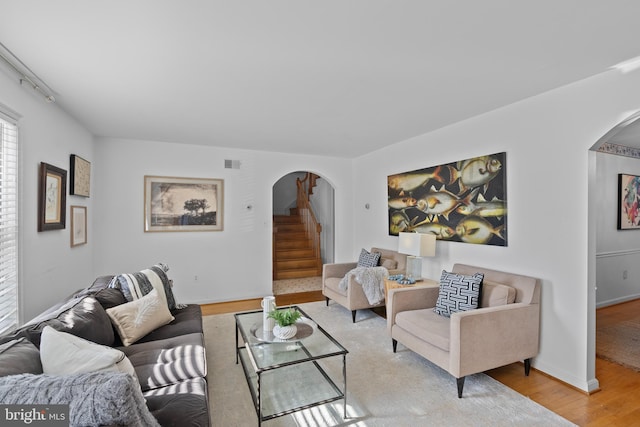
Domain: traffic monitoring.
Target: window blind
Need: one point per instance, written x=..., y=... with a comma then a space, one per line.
x=8, y=225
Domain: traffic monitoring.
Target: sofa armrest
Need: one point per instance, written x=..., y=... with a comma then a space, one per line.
x=337, y=270
x=491, y=337
x=404, y=299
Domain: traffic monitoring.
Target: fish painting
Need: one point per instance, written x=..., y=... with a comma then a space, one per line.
x=475, y=229
x=408, y=182
x=441, y=231
x=402, y=202
x=399, y=222
x=441, y=202
x=494, y=208
x=474, y=172
x=461, y=201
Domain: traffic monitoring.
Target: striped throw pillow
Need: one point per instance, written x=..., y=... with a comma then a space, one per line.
x=136, y=285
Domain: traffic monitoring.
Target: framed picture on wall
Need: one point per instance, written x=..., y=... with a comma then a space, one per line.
x=80, y=181
x=628, y=201
x=462, y=201
x=78, y=225
x=52, y=198
x=183, y=204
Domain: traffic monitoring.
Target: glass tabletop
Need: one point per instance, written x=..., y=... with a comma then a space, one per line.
x=312, y=342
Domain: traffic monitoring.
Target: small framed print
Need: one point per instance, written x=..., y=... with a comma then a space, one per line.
x=628, y=202
x=52, y=198
x=78, y=225
x=80, y=176
x=182, y=204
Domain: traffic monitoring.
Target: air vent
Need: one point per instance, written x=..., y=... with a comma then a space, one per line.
x=232, y=164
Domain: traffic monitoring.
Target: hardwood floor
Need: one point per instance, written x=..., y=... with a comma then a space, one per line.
x=617, y=403
x=254, y=304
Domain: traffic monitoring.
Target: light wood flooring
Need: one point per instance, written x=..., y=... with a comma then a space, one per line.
x=617, y=403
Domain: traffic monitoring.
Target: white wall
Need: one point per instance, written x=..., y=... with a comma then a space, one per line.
x=547, y=139
x=618, y=251
x=50, y=268
x=231, y=265
x=322, y=203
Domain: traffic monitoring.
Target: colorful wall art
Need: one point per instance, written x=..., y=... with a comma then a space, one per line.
x=628, y=200
x=464, y=201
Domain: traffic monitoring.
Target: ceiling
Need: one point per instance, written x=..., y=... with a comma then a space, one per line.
x=333, y=77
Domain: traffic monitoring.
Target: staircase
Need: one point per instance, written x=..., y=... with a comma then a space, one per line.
x=293, y=254
x=296, y=238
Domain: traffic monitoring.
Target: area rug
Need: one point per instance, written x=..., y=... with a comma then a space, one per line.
x=383, y=388
x=620, y=343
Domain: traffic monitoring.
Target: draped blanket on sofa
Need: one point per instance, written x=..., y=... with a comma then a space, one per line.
x=371, y=279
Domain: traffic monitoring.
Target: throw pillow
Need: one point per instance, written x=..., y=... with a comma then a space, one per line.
x=136, y=285
x=458, y=293
x=136, y=319
x=368, y=259
x=83, y=317
x=62, y=354
x=19, y=356
x=495, y=294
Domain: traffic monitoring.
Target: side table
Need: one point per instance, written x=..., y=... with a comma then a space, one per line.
x=392, y=284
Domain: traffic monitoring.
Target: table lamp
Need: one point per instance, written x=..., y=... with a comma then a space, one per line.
x=416, y=246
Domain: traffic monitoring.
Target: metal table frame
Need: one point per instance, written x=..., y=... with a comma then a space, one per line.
x=252, y=366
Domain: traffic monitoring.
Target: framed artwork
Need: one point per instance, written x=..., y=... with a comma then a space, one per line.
x=463, y=201
x=52, y=198
x=80, y=176
x=183, y=204
x=78, y=225
x=628, y=200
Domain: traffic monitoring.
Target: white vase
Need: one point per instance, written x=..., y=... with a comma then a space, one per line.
x=285, y=332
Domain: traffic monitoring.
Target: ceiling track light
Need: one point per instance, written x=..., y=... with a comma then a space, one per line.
x=25, y=75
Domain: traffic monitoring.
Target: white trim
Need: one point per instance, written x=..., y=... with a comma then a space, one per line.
x=9, y=115
x=625, y=252
x=617, y=300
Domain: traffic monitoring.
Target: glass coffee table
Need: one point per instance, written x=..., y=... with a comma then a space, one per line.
x=287, y=376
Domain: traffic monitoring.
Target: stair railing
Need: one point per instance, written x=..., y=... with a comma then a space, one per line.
x=311, y=225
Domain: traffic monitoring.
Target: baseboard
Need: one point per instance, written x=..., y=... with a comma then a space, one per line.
x=615, y=301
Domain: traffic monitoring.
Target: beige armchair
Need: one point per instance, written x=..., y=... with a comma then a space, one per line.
x=353, y=298
x=503, y=330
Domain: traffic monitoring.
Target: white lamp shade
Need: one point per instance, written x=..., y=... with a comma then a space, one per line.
x=417, y=244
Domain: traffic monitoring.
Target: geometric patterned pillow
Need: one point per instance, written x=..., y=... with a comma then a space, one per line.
x=368, y=259
x=458, y=293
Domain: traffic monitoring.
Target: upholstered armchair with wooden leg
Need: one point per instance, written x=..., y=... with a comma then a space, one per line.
x=353, y=297
x=504, y=329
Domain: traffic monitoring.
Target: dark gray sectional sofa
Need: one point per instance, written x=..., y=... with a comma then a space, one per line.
x=169, y=362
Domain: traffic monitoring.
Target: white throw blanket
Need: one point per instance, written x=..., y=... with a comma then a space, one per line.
x=371, y=279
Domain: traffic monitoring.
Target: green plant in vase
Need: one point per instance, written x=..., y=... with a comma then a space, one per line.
x=286, y=319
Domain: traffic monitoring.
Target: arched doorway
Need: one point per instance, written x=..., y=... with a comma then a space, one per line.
x=616, y=257
x=303, y=231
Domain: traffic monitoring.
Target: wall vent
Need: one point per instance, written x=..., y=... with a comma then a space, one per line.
x=232, y=164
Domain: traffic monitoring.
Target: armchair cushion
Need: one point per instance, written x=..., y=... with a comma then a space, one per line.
x=458, y=293
x=438, y=332
x=368, y=259
x=388, y=263
x=494, y=294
